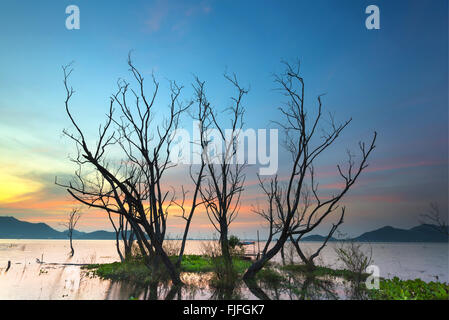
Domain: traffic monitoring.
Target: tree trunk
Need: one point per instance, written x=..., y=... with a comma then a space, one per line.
x=172, y=271
x=183, y=243
x=283, y=255
x=225, y=248
x=308, y=262
x=250, y=274
x=129, y=244
x=256, y=290
x=72, y=252
x=117, y=245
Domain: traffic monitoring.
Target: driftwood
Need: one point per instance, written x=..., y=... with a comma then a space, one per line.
x=66, y=264
x=9, y=266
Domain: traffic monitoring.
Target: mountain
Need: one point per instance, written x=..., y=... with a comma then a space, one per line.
x=97, y=235
x=316, y=237
x=11, y=228
x=421, y=233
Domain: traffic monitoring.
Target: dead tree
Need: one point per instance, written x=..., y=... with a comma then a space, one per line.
x=133, y=185
x=123, y=234
x=202, y=116
x=224, y=180
x=309, y=260
x=435, y=219
x=70, y=224
x=294, y=209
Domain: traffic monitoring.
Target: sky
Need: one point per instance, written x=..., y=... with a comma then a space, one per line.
x=393, y=80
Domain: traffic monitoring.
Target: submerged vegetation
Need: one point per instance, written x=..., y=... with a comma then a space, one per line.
x=320, y=271
x=132, y=271
x=135, y=270
x=397, y=289
x=291, y=281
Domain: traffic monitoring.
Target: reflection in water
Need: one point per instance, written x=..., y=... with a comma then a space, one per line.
x=314, y=288
x=232, y=291
x=295, y=287
x=153, y=291
x=60, y=277
x=197, y=287
x=50, y=281
x=356, y=291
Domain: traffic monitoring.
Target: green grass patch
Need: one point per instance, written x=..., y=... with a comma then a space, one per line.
x=132, y=271
x=320, y=271
x=135, y=270
x=397, y=289
x=240, y=265
x=196, y=263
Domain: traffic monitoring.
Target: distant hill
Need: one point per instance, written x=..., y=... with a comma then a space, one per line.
x=421, y=233
x=12, y=228
x=316, y=237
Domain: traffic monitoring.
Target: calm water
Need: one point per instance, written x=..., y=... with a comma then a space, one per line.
x=61, y=277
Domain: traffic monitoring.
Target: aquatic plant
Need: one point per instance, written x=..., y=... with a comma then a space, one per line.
x=397, y=289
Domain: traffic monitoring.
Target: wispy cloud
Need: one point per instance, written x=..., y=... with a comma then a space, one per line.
x=174, y=16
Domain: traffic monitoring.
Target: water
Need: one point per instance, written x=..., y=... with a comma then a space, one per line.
x=61, y=276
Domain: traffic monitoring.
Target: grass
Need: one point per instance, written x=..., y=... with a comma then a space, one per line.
x=198, y=264
x=132, y=271
x=389, y=289
x=320, y=271
x=135, y=270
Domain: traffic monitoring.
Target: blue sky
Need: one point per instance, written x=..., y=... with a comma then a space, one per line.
x=393, y=80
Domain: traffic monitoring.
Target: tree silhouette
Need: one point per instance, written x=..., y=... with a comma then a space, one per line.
x=296, y=208
x=70, y=224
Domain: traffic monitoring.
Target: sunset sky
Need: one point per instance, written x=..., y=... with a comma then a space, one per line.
x=393, y=80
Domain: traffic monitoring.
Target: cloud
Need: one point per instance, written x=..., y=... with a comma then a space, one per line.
x=157, y=14
x=404, y=164
x=174, y=16
x=376, y=198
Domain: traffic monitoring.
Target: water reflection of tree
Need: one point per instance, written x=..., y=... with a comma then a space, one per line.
x=294, y=287
x=232, y=291
x=314, y=288
x=153, y=291
x=356, y=291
